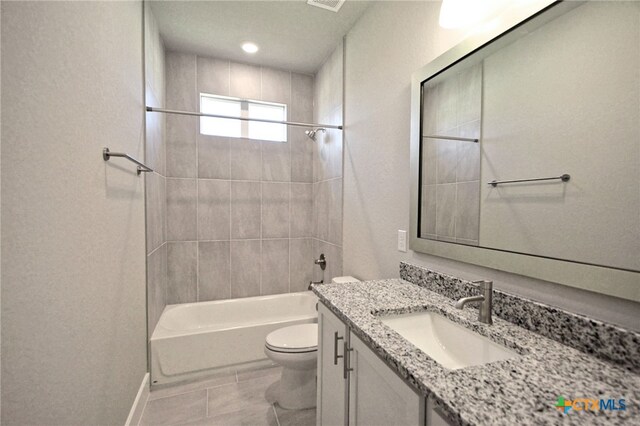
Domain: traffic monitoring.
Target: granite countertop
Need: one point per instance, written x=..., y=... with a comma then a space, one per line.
x=521, y=390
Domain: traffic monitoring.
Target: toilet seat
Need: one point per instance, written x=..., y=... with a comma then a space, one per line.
x=302, y=338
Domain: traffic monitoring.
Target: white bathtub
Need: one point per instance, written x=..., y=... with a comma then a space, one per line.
x=196, y=339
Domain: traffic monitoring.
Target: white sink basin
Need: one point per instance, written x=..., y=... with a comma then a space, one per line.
x=451, y=345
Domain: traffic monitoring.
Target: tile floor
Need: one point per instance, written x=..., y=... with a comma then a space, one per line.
x=240, y=398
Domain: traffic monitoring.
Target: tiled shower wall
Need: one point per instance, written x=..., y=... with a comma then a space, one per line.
x=155, y=183
x=239, y=211
x=327, y=176
x=451, y=169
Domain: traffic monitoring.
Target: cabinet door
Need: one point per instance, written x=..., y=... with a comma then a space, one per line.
x=332, y=384
x=377, y=396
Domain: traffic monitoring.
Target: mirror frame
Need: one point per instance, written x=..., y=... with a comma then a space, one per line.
x=599, y=279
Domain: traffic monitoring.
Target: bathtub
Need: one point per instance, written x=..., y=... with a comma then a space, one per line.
x=193, y=340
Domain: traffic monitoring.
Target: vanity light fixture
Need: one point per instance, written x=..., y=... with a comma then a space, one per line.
x=250, y=47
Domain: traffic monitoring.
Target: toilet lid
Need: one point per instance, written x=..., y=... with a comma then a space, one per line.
x=295, y=338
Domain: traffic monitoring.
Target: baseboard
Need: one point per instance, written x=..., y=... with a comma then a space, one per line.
x=135, y=414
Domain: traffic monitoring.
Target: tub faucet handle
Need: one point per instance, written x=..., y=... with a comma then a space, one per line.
x=322, y=261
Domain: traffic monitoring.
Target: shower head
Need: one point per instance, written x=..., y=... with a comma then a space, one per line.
x=312, y=132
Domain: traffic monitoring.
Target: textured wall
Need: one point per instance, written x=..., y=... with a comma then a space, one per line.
x=327, y=166
x=239, y=211
x=73, y=260
x=379, y=64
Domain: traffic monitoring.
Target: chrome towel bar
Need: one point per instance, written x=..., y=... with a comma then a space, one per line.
x=451, y=138
x=230, y=117
x=565, y=178
x=106, y=155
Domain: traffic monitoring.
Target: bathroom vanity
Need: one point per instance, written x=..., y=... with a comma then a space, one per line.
x=357, y=387
x=368, y=373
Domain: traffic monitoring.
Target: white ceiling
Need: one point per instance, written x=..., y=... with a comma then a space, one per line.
x=292, y=35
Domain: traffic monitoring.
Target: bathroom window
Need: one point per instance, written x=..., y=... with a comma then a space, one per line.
x=222, y=105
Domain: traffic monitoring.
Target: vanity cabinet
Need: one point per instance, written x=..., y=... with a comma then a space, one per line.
x=355, y=387
x=377, y=396
x=332, y=384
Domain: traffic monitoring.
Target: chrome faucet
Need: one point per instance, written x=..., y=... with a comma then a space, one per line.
x=486, y=301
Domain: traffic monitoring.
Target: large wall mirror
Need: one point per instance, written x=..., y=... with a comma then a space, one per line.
x=526, y=149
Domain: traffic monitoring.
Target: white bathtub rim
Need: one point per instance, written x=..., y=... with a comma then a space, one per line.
x=160, y=332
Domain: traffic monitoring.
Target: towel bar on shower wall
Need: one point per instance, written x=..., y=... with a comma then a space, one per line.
x=565, y=178
x=106, y=155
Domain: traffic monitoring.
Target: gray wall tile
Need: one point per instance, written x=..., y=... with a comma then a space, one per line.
x=328, y=159
x=275, y=210
x=245, y=209
x=301, y=155
x=244, y=81
x=181, y=130
x=428, y=211
x=246, y=159
x=181, y=145
x=156, y=286
x=275, y=266
x=213, y=76
x=447, y=160
x=276, y=86
x=182, y=272
x=301, y=210
x=470, y=93
x=445, y=210
x=214, y=270
x=468, y=210
x=301, y=97
x=447, y=116
x=156, y=198
x=468, y=155
x=245, y=268
x=429, y=161
x=181, y=209
x=276, y=161
x=214, y=210
x=181, y=81
x=430, y=110
x=301, y=266
x=214, y=157
x=333, y=254
x=328, y=210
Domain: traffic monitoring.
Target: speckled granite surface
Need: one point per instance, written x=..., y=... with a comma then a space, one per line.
x=605, y=341
x=521, y=391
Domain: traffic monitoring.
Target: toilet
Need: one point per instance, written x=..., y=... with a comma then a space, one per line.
x=295, y=348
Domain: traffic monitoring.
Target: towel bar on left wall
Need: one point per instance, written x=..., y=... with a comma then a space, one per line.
x=106, y=155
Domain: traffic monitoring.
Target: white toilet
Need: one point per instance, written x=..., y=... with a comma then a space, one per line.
x=295, y=348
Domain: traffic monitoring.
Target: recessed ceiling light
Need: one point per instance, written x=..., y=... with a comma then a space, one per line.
x=250, y=47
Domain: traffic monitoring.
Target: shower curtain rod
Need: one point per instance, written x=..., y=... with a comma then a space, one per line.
x=262, y=120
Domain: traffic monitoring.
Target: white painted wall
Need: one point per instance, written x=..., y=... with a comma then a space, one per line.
x=390, y=42
x=73, y=240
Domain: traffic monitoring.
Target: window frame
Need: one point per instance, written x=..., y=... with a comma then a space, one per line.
x=244, y=113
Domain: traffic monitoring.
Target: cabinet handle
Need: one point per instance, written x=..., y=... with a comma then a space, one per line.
x=347, y=360
x=335, y=348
